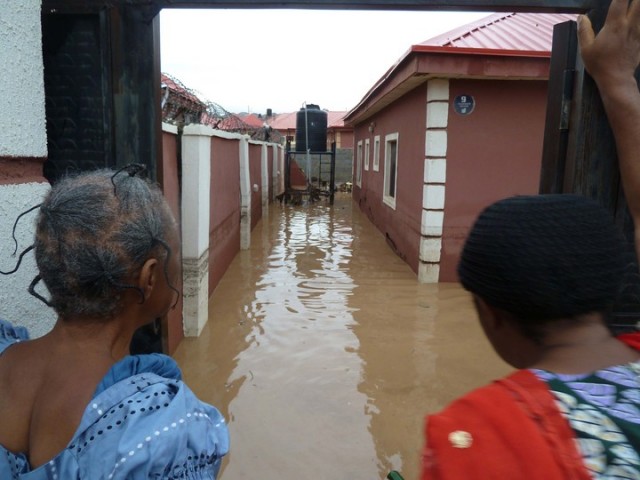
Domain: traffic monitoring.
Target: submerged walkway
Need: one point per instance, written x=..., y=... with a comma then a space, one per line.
x=324, y=353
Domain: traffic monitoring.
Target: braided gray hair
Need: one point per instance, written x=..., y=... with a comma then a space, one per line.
x=94, y=232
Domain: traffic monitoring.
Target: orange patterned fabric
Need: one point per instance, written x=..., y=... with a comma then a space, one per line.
x=509, y=429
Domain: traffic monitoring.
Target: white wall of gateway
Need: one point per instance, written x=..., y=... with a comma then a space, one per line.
x=23, y=140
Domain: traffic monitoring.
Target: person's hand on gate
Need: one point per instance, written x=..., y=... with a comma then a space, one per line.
x=612, y=56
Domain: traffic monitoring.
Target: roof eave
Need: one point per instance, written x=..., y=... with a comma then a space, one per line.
x=411, y=70
x=493, y=52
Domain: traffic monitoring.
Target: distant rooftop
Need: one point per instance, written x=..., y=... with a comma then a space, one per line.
x=287, y=121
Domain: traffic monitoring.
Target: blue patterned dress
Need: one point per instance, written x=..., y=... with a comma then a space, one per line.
x=603, y=409
x=142, y=423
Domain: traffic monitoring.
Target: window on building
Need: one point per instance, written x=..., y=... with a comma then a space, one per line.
x=359, y=164
x=376, y=153
x=390, y=169
x=366, y=154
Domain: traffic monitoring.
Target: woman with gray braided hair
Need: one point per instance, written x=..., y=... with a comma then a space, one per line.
x=544, y=272
x=74, y=404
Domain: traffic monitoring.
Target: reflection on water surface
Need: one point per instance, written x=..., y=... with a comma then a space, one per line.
x=324, y=353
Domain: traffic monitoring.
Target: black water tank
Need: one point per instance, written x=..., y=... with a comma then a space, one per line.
x=311, y=124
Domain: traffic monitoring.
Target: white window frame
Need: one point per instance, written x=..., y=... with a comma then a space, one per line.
x=359, y=164
x=376, y=153
x=387, y=198
x=367, y=152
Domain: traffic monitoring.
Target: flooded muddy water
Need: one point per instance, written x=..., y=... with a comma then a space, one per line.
x=324, y=353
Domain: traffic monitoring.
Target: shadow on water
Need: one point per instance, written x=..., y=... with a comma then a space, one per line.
x=324, y=352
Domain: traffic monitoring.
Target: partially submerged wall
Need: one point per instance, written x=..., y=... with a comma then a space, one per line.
x=220, y=207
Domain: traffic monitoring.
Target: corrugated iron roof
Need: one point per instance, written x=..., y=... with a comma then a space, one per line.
x=532, y=32
x=283, y=121
x=252, y=119
x=525, y=35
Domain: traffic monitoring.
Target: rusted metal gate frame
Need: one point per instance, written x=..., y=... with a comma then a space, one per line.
x=135, y=22
x=471, y=5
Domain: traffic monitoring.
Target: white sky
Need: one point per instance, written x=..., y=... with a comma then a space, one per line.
x=251, y=60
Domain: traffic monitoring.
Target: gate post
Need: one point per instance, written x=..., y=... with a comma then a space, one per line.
x=579, y=154
x=196, y=199
x=245, y=194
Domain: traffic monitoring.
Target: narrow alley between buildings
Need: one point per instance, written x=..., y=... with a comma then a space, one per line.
x=324, y=353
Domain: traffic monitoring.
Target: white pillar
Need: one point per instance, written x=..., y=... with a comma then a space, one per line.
x=435, y=176
x=196, y=199
x=264, y=174
x=245, y=195
x=274, y=173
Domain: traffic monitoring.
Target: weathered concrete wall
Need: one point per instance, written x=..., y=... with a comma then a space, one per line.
x=17, y=305
x=23, y=148
x=22, y=123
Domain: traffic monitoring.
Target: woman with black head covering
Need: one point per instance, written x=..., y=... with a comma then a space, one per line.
x=544, y=272
x=74, y=404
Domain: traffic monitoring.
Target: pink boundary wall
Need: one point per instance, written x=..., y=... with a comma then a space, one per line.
x=224, y=192
x=224, y=229
x=255, y=172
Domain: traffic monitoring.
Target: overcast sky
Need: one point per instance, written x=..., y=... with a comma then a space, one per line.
x=251, y=60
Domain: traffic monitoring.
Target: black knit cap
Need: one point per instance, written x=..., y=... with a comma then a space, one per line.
x=544, y=257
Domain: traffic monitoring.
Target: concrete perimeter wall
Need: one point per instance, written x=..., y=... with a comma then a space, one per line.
x=227, y=181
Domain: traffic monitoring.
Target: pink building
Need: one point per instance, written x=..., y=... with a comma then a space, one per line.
x=454, y=125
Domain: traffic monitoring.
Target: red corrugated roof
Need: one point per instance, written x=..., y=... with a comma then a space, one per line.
x=335, y=119
x=525, y=35
x=530, y=32
x=252, y=119
x=283, y=121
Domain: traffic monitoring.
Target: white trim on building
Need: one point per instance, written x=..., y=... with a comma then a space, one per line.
x=435, y=177
x=391, y=160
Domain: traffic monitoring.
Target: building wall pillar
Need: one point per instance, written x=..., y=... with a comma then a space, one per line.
x=264, y=175
x=245, y=195
x=196, y=199
x=435, y=175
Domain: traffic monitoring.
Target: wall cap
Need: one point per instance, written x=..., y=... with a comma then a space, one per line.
x=195, y=129
x=169, y=128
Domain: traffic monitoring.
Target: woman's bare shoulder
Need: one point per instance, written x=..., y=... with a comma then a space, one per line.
x=19, y=379
x=42, y=398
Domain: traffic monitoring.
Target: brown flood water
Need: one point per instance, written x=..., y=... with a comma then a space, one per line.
x=324, y=353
